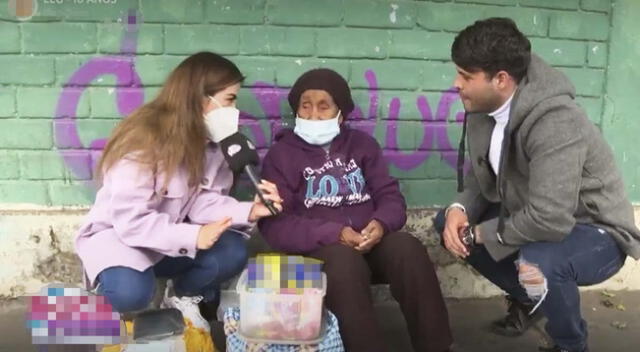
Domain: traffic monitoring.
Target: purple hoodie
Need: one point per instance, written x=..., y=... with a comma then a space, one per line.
x=324, y=191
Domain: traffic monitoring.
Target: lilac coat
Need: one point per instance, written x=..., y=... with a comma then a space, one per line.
x=131, y=224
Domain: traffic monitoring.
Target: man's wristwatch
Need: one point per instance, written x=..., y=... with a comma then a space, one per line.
x=468, y=237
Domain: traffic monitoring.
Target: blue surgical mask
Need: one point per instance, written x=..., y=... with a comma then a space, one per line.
x=317, y=132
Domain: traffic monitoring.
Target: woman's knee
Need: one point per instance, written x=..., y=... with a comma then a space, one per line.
x=402, y=256
x=401, y=241
x=403, y=246
x=227, y=257
x=127, y=289
x=343, y=264
x=235, y=250
x=130, y=300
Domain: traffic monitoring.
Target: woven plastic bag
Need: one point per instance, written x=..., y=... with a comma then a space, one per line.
x=236, y=343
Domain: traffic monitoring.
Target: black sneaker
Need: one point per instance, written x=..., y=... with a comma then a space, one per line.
x=517, y=320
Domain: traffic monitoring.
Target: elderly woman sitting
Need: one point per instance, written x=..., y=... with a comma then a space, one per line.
x=342, y=206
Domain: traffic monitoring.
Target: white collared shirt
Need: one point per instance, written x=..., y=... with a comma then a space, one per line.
x=502, y=118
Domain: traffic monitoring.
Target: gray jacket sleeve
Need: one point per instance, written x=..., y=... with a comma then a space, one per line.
x=556, y=151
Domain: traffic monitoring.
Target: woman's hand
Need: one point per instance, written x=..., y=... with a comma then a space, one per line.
x=209, y=233
x=372, y=235
x=350, y=237
x=270, y=192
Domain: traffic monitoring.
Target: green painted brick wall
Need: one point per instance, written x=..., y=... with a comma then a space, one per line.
x=9, y=165
x=69, y=73
x=42, y=165
x=620, y=115
x=10, y=39
x=353, y=43
x=383, y=14
x=40, y=102
x=73, y=37
x=26, y=70
x=7, y=102
x=18, y=134
x=280, y=41
x=185, y=40
x=150, y=38
x=235, y=11
x=305, y=12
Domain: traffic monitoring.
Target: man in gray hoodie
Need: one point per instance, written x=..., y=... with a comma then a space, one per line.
x=542, y=209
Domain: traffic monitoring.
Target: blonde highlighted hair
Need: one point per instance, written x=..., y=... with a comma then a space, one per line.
x=169, y=132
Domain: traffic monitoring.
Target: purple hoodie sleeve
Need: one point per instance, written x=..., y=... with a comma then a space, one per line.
x=290, y=232
x=390, y=206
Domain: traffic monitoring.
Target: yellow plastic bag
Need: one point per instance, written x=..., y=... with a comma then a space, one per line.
x=196, y=339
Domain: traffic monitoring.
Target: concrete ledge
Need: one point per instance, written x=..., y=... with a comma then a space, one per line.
x=36, y=247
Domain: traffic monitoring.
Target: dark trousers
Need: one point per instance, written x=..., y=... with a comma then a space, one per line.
x=401, y=261
x=586, y=256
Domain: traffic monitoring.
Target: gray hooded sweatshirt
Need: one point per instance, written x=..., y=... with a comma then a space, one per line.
x=556, y=170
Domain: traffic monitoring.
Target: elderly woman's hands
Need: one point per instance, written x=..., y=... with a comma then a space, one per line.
x=350, y=237
x=365, y=240
x=372, y=235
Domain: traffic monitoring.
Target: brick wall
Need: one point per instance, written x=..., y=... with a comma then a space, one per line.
x=69, y=73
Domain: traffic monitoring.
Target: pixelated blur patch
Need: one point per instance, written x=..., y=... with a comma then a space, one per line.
x=132, y=20
x=23, y=9
x=72, y=316
x=284, y=273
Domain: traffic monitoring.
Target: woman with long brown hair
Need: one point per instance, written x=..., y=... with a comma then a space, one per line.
x=163, y=208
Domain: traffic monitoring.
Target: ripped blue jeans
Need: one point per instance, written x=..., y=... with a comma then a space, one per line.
x=587, y=256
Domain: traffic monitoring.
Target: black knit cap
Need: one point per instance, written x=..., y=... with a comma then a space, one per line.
x=327, y=80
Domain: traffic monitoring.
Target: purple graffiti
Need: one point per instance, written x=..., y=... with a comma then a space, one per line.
x=127, y=99
x=129, y=95
x=368, y=123
x=434, y=128
x=269, y=98
x=128, y=91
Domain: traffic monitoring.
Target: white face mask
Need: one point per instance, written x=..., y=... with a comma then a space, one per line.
x=221, y=122
x=317, y=132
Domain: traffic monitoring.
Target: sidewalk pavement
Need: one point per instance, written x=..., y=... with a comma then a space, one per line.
x=614, y=325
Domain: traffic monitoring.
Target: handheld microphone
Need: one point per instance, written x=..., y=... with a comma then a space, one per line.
x=241, y=155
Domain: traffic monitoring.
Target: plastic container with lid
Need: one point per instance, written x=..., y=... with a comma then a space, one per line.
x=287, y=318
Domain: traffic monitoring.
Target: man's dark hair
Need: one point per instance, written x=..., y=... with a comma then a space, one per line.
x=492, y=45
